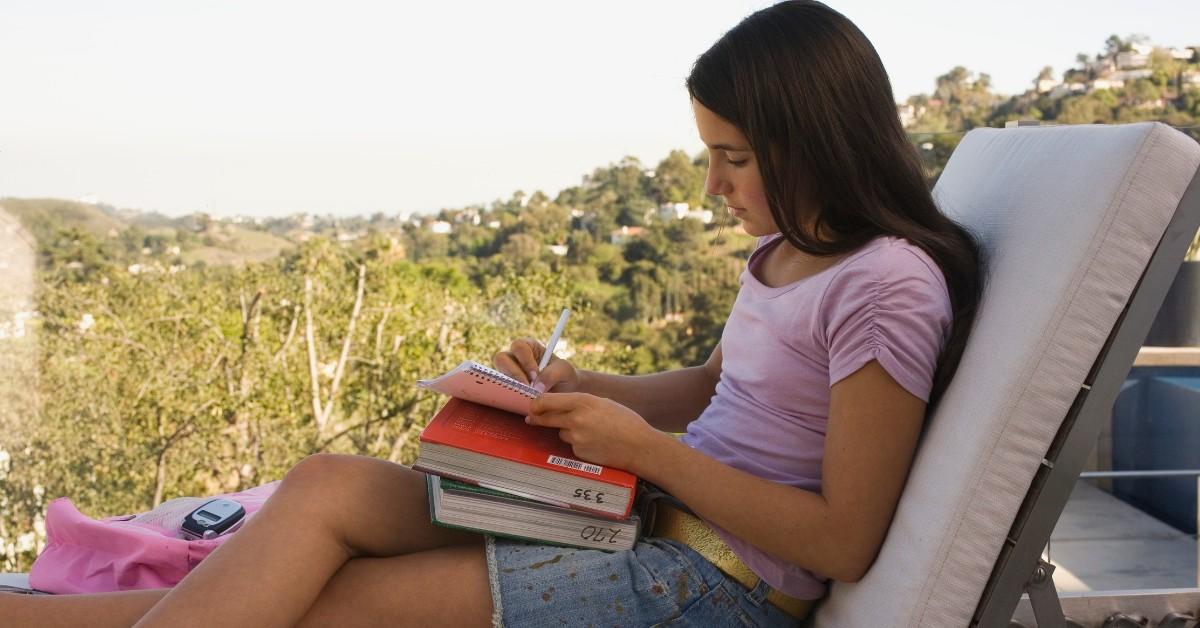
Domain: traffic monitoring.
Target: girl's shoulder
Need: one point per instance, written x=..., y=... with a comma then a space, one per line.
x=887, y=276
x=889, y=259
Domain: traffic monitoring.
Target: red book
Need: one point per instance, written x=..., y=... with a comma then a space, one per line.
x=489, y=447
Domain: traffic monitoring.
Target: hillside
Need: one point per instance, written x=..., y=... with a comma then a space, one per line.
x=134, y=237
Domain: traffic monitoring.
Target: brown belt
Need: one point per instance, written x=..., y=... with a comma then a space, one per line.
x=673, y=523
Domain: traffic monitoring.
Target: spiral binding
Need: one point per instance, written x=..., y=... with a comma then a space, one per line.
x=504, y=381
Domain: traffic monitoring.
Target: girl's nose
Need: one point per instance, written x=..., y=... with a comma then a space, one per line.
x=714, y=184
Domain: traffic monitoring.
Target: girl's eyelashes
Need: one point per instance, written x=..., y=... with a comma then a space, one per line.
x=736, y=163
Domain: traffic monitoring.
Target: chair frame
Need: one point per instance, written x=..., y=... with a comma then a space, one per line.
x=1019, y=567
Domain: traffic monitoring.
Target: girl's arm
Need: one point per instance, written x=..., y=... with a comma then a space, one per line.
x=872, y=435
x=668, y=400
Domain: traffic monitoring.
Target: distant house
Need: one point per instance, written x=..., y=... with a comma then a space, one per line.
x=1191, y=78
x=1047, y=84
x=440, y=226
x=469, y=215
x=1182, y=54
x=703, y=215
x=1066, y=89
x=1131, y=75
x=558, y=249
x=1132, y=59
x=908, y=115
x=1102, y=83
x=624, y=234
x=672, y=211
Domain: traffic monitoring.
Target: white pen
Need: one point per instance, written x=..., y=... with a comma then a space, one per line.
x=558, y=330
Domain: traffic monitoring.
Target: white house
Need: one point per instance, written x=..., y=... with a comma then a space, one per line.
x=1047, y=84
x=1106, y=84
x=1182, y=54
x=558, y=249
x=672, y=211
x=1066, y=89
x=703, y=215
x=440, y=226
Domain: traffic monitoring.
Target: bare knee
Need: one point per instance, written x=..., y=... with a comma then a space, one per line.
x=321, y=488
x=360, y=474
x=320, y=471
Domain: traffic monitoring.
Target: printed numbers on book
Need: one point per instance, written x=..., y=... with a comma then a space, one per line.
x=599, y=534
x=588, y=494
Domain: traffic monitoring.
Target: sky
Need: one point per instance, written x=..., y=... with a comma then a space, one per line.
x=277, y=107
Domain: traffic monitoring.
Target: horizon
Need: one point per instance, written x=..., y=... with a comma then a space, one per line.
x=275, y=109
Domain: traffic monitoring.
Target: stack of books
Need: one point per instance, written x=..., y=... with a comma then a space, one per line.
x=489, y=471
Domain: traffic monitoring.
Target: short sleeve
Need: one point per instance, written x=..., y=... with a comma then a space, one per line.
x=889, y=305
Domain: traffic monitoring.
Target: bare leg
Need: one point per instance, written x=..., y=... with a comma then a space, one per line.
x=101, y=610
x=447, y=586
x=328, y=510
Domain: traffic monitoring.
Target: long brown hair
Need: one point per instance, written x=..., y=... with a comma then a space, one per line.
x=808, y=90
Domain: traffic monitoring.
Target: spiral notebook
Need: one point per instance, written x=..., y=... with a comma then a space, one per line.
x=475, y=382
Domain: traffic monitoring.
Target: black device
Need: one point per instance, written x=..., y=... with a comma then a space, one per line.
x=212, y=519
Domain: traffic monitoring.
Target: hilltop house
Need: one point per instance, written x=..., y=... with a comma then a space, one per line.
x=620, y=236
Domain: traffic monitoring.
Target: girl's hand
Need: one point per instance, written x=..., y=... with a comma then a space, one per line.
x=599, y=430
x=521, y=363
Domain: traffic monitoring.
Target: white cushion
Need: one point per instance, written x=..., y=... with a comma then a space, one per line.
x=1068, y=218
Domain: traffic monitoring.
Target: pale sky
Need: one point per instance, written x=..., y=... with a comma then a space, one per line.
x=270, y=108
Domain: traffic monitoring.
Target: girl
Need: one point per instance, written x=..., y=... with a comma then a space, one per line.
x=800, y=428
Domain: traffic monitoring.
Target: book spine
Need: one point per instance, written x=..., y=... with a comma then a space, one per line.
x=601, y=545
x=568, y=499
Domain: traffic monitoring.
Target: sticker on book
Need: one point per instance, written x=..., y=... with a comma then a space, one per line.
x=578, y=465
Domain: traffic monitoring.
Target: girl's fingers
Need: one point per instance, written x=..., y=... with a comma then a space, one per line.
x=556, y=402
x=527, y=352
x=554, y=373
x=506, y=363
x=548, y=419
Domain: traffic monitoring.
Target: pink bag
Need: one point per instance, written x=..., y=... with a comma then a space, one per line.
x=141, y=551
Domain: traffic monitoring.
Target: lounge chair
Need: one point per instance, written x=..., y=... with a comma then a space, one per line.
x=1084, y=228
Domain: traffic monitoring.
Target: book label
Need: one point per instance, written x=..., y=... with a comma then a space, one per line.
x=600, y=534
x=578, y=465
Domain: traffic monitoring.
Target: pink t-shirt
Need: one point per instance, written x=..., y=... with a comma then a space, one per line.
x=783, y=348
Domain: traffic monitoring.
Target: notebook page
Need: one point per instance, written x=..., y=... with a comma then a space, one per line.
x=475, y=382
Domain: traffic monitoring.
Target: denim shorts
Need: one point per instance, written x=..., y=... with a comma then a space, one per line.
x=660, y=582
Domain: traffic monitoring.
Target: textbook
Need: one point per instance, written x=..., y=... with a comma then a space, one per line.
x=475, y=382
x=457, y=505
x=496, y=449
